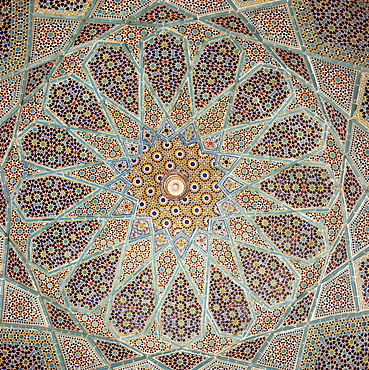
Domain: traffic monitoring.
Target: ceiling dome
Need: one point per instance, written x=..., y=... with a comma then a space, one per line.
x=184, y=184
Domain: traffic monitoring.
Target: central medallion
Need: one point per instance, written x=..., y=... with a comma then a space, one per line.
x=174, y=185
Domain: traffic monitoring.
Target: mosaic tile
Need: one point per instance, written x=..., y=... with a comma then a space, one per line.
x=116, y=10
x=196, y=206
x=6, y=131
x=255, y=53
x=300, y=312
x=181, y=111
x=14, y=18
x=36, y=76
x=2, y=240
x=211, y=342
x=181, y=312
x=215, y=70
x=305, y=97
x=292, y=235
x=115, y=352
x=54, y=148
x=17, y=270
x=221, y=365
x=92, y=280
x=137, y=254
x=59, y=318
x=203, y=7
x=248, y=108
x=339, y=255
x=337, y=119
x=183, y=184
x=62, y=243
x=224, y=292
x=250, y=169
x=247, y=350
x=232, y=23
x=181, y=360
x=10, y=94
x=274, y=24
x=221, y=251
x=336, y=32
x=301, y=187
x=361, y=268
x=123, y=89
x=65, y=193
x=238, y=141
x=132, y=307
x=336, y=296
x=359, y=228
x=51, y=36
x=161, y=14
x=114, y=232
x=32, y=111
x=213, y=119
x=331, y=155
x=332, y=220
x=50, y=285
x=28, y=347
x=352, y=189
x=150, y=343
x=140, y=365
x=359, y=151
x=266, y=275
x=64, y=102
x=294, y=61
x=94, y=323
x=362, y=112
x=298, y=129
x=96, y=174
x=266, y=320
x=165, y=64
x=244, y=231
x=3, y=205
x=196, y=34
x=78, y=353
x=336, y=81
x=131, y=36
x=56, y=7
x=22, y=307
x=310, y=274
x=91, y=31
x=72, y=63
x=330, y=346
x=282, y=351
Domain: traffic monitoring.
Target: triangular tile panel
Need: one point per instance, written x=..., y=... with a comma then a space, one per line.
x=22, y=307
x=274, y=24
x=336, y=296
x=51, y=36
x=335, y=81
x=282, y=351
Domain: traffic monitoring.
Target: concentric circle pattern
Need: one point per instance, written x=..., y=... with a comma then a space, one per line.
x=184, y=185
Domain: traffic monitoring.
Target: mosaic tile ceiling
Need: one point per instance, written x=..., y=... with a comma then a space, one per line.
x=256, y=113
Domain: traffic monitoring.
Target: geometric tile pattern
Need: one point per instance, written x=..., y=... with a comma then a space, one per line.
x=260, y=108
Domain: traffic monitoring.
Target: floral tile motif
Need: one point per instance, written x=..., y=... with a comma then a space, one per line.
x=184, y=184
